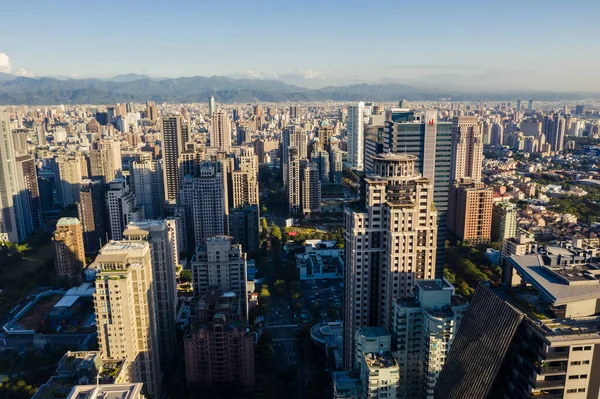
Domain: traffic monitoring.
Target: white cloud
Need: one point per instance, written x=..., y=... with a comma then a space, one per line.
x=23, y=72
x=4, y=63
x=310, y=75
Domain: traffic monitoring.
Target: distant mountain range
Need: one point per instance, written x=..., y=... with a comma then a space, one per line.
x=15, y=90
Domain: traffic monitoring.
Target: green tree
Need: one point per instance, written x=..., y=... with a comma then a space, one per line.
x=185, y=276
x=276, y=232
x=263, y=224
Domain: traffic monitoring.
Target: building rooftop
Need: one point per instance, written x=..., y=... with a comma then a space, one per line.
x=120, y=391
x=67, y=222
x=347, y=384
x=380, y=360
x=559, y=284
x=372, y=332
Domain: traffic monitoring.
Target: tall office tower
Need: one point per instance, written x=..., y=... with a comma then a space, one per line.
x=377, y=140
x=45, y=186
x=39, y=133
x=321, y=160
x=293, y=112
x=497, y=135
x=121, y=207
x=543, y=341
x=172, y=145
x=161, y=234
x=424, y=328
x=470, y=212
x=151, y=111
x=292, y=136
x=293, y=182
x=124, y=303
x=220, y=264
x=390, y=241
x=310, y=188
x=421, y=135
x=236, y=115
x=467, y=148
x=355, y=135
x=530, y=106
x=553, y=127
x=504, y=221
x=105, y=159
x=579, y=109
x=147, y=177
x=335, y=166
x=29, y=194
x=69, y=253
x=220, y=131
x=91, y=210
x=211, y=106
x=518, y=106
x=67, y=178
x=205, y=204
x=9, y=199
x=219, y=350
x=245, y=179
x=244, y=227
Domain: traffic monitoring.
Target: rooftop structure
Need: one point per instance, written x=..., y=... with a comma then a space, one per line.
x=112, y=391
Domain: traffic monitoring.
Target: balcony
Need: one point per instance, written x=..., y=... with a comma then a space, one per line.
x=555, y=356
x=552, y=370
x=541, y=384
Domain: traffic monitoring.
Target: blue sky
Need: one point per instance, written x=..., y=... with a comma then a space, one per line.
x=528, y=44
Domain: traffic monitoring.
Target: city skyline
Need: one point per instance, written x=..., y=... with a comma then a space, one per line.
x=453, y=46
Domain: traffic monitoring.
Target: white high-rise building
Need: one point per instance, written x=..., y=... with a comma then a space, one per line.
x=161, y=234
x=310, y=188
x=125, y=308
x=67, y=177
x=148, y=185
x=8, y=182
x=121, y=207
x=424, y=328
x=356, y=135
x=390, y=241
x=220, y=264
x=211, y=106
x=220, y=131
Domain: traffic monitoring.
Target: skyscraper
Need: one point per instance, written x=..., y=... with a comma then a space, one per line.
x=390, y=241
x=310, y=187
x=211, y=106
x=470, y=215
x=293, y=187
x=69, y=253
x=67, y=178
x=244, y=227
x=125, y=308
x=105, y=159
x=220, y=131
x=221, y=264
x=121, y=207
x=467, y=148
x=172, y=145
x=205, y=203
x=161, y=234
x=553, y=128
x=421, y=135
x=9, y=201
x=147, y=177
x=356, y=135
x=245, y=179
x=29, y=194
x=92, y=213
x=504, y=221
x=335, y=166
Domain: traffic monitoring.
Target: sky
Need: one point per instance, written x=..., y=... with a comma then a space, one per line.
x=466, y=44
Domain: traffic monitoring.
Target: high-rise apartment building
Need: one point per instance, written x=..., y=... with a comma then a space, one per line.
x=390, y=241
x=424, y=328
x=380, y=375
x=221, y=264
x=470, y=212
x=422, y=135
x=321, y=159
x=151, y=111
x=67, y=178
x=310, y=188
x=504, y=221
x=91, y=210
x=356, y=135
x=205, y=202
x=467, y=148
x=172, y=145
x=121, y=207
x=147, y=176
x=542, y=340
x=220, y=131
x=553, y=128
x=124, y=303
x=292, y=136
x=211, y=106
x=496, y=134
x=336, y=166
x=105, y=159
x=161, y=235
x=29, y=195
x=244, y=227
x=293, y=182
x=69, y=252
x=245, y=179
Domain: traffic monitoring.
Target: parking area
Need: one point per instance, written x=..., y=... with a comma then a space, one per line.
x=321, y=300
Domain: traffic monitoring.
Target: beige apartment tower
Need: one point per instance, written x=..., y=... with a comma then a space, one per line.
x=125, y=309
x=467, y=148
x=220, y=131
x=69, y=253
x=470, y=212
x=390, y=241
